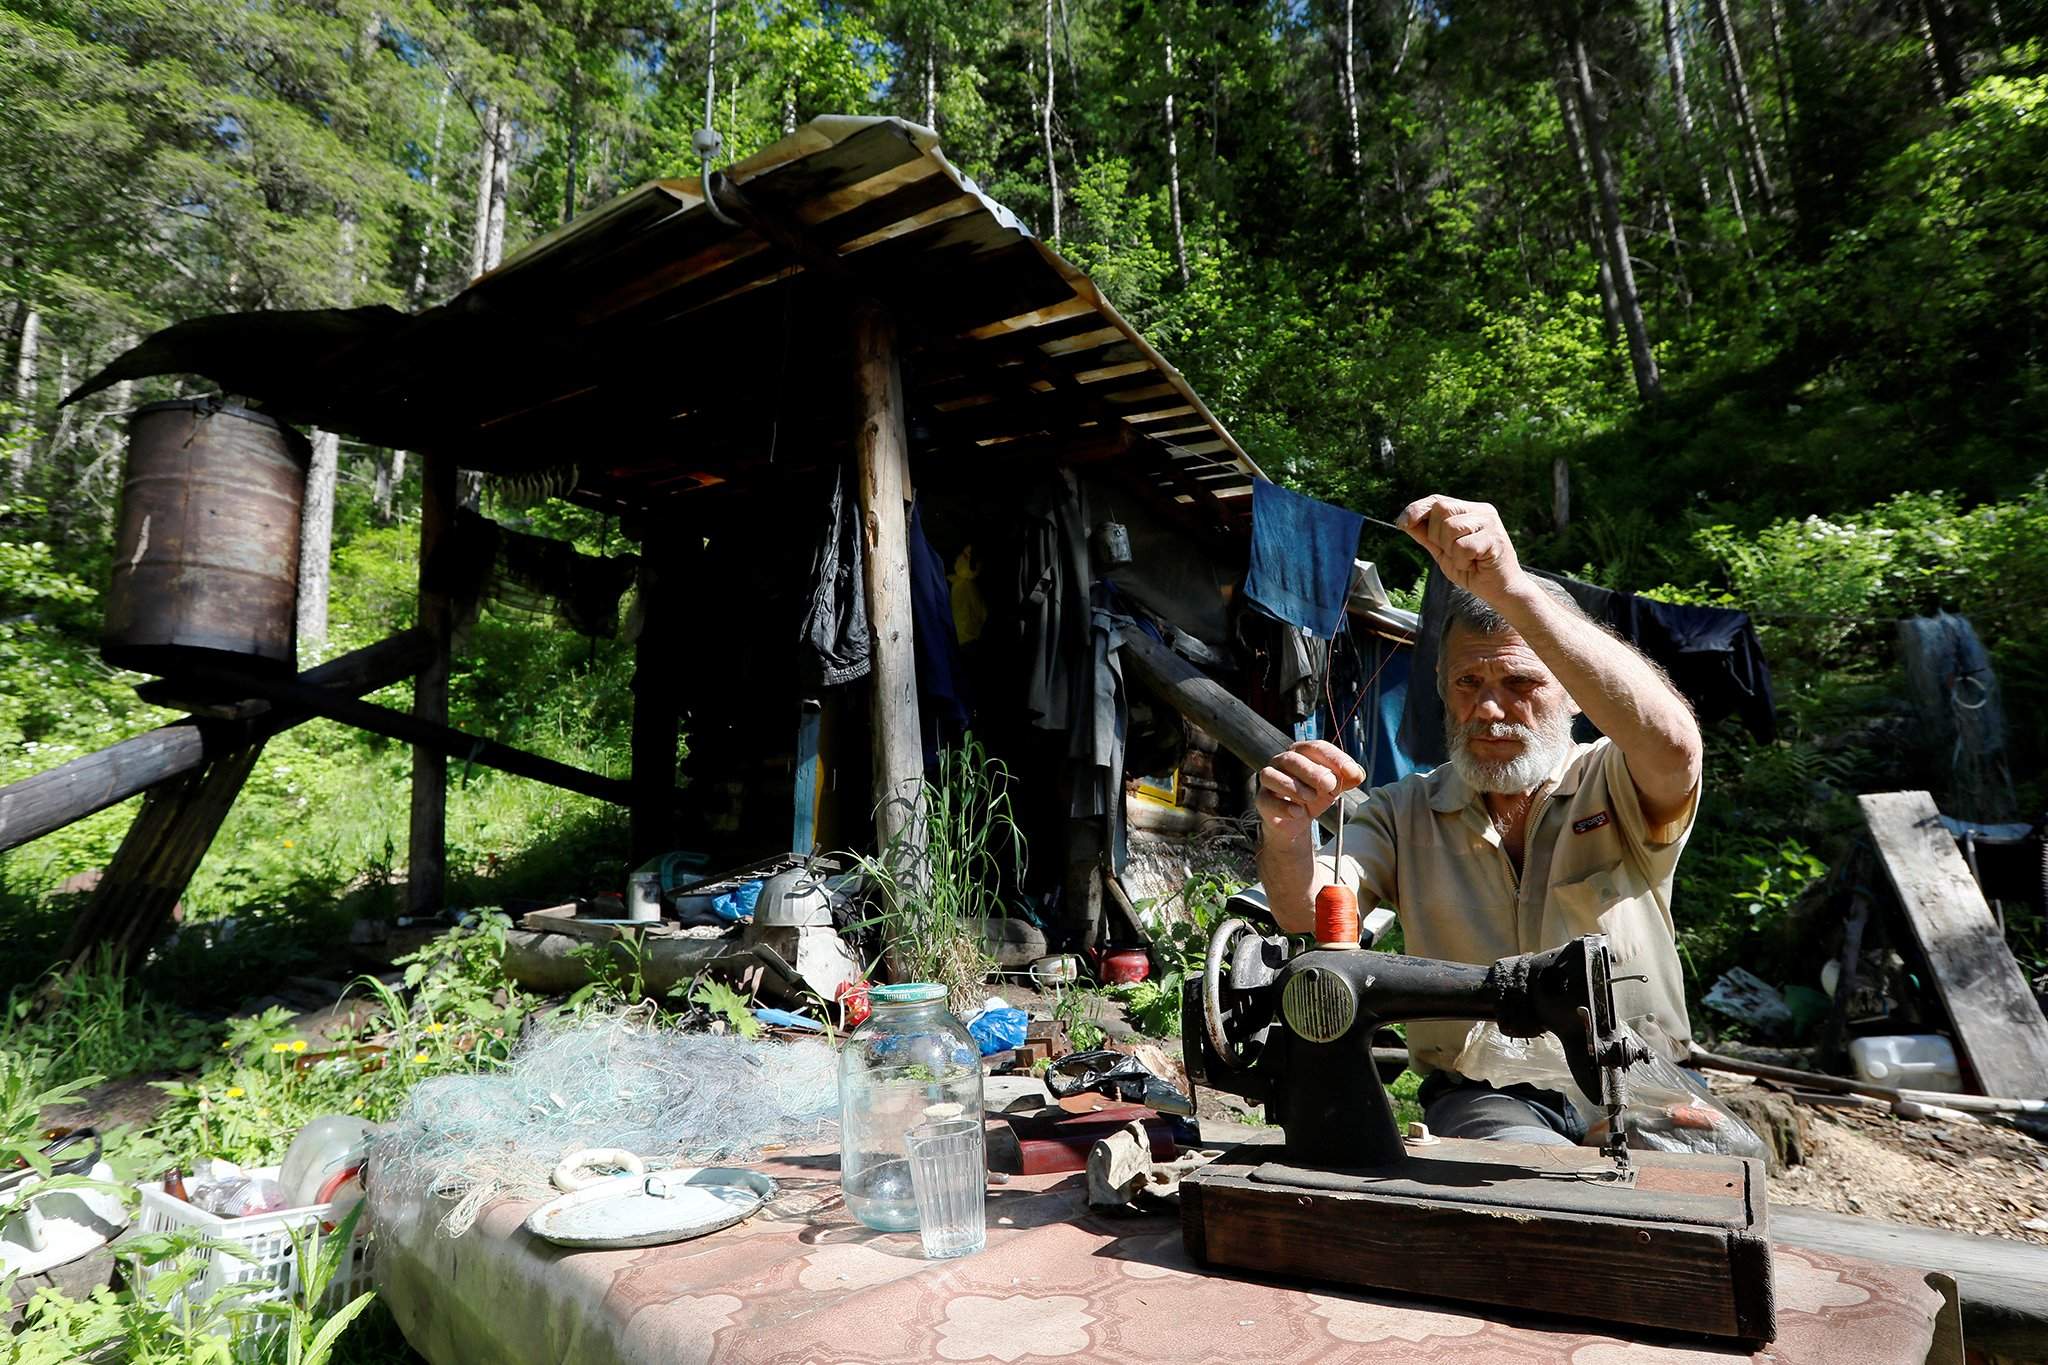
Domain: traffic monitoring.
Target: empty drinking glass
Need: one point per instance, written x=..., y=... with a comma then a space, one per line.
x=949, y=1175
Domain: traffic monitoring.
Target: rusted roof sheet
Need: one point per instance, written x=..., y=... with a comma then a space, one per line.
x=661, y=351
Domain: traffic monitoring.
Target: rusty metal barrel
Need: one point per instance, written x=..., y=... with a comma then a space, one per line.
x=206, y=561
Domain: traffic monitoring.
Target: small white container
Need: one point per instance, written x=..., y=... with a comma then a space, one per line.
x=1908, y=1061
x=267, y=1237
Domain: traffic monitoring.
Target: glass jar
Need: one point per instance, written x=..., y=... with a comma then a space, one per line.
x=910, y=1063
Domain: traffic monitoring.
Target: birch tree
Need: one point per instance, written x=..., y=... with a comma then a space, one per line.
x=1742, y=105
x=1180, y=239
x=1681, y=103
x=1052, y=168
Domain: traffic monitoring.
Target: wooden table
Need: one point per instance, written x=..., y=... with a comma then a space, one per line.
x=802, y=1281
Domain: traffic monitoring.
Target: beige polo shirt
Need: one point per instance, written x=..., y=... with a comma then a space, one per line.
x=1591, y=865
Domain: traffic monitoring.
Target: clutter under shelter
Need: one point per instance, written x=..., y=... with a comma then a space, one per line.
x=897, y=475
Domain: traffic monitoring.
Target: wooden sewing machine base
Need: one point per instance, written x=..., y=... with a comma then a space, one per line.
x=1685, y=1248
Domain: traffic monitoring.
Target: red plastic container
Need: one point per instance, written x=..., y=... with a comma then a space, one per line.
x=1121, y=966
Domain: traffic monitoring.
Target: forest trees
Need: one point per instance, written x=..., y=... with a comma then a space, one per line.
x=1394, y=241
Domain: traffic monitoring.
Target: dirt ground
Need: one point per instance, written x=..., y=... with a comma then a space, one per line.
x=1965, y=1177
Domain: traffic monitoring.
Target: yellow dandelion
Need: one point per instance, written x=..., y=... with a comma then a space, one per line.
x=434, y=1027
x=298, y=1044
x=358, y=1103
x=235, y=1092
x=289, y=844
x=280, y=1047
x=419, y=1056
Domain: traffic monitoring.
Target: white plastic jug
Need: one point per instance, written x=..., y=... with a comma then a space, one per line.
x=1911, y=1061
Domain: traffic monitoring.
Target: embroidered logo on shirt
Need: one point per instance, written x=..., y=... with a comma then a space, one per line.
x=1591, y=822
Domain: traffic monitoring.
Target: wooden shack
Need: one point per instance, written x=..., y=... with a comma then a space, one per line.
x=851, y=321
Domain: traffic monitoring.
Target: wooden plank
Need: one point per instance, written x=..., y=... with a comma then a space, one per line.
x=2005, y=1310
x=1999, y=1028
x=1205, y=701
x=803, y=834
x=426, y=888
x=1616, y=1255
x=92, y=782
x=883, y=450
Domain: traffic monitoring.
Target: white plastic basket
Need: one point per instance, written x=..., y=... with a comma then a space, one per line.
x=267, y=1237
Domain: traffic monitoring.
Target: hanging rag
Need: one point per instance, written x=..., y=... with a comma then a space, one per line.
x=1052, y=603
x=943, y=709
x=970, y=611
x=1302, y=555
x=1710, y=653
x=834, y=639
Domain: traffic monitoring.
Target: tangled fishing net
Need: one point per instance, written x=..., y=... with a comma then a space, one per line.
x=669, y=1098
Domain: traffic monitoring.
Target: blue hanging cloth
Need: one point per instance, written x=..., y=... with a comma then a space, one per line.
x=1302, y=553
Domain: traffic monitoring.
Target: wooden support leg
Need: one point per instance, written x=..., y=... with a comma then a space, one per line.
x=657, y=706
x=883, y=449
x=163, y=848
x=427, y=846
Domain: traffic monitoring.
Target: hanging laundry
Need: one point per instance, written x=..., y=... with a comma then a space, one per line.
x=970, y=609
x=943, y=707
x=1711, y=654
x=1052, y=602
x=834, y=638
x=1302, y=554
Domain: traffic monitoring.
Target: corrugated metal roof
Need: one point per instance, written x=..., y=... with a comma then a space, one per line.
x=662, y=351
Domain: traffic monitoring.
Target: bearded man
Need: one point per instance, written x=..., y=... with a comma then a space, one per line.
x=1525, y=839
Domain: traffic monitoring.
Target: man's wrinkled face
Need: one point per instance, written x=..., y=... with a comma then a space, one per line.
x=1507, y=719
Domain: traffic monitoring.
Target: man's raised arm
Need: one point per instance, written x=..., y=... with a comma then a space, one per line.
x=1618, y=689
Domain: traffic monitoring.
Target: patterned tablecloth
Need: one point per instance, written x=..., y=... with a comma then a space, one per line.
x=802, y=1282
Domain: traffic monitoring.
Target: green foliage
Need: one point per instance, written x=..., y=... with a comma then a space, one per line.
x=1180, y=949
x=941, y=877
x=97, y=1021
x=727, y=1005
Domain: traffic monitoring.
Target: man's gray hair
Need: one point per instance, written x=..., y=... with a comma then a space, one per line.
x=1466, y=611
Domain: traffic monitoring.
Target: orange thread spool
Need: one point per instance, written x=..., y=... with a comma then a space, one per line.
x=1337, y=917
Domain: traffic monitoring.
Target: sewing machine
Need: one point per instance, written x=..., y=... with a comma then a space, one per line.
x=1352, y=1199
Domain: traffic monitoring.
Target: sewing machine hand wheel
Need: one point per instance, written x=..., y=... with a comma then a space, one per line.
x=1235, y=1007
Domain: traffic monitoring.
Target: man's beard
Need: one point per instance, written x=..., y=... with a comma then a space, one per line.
x=1543, y=748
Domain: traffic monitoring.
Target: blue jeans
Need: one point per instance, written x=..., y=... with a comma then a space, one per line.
x=1453, y=1106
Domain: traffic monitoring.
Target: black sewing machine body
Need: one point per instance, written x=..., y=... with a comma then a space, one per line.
x=1294, y=1030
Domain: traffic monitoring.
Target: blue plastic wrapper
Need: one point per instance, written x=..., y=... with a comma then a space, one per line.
x=999, y=1030
x=737, y=903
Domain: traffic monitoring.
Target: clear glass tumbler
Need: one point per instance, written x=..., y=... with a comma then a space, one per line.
x=949, y=1173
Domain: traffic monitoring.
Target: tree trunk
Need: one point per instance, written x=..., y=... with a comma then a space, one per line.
x=1674, y=56
x=931, y=79
x=1743, y=105
x=1677, y=252
x=316, y=540
x=1610, y=308
x=1052, y=169
x=1347, y=90
x=1937, y=24
x=1180, y=240
x=419, y=270
x=24, y=394
x=486, y=173
x=384, y=494
x=501, y=184
x=571, y=151
x=1649, y=386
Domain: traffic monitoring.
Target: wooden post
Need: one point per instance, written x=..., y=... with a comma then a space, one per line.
x=657, y=691
x=883, y=449
x=427, y=846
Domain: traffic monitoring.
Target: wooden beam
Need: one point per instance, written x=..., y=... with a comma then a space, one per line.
x=883, y=451
x=36, y=805
x=1999, y=1028
x=445, y=741
x=665, y=557
x=427, y=836
x=1205, y=701
x=131, y=907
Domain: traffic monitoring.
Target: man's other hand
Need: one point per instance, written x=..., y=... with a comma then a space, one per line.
x=1302, y=783
x=1468, y=543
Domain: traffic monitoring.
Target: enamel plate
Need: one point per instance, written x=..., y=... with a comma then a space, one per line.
x=643, y=1211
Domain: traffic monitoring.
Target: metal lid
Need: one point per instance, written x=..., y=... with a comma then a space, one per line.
x=220, y=407
x=907, y=993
